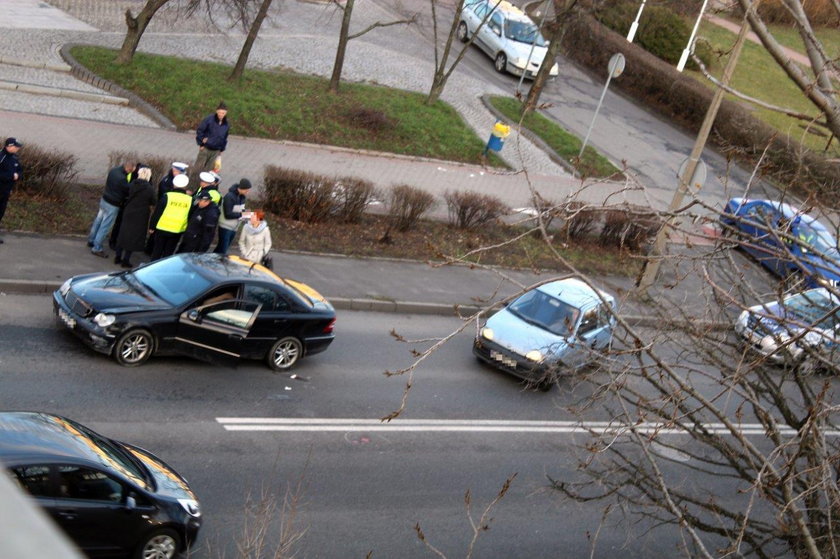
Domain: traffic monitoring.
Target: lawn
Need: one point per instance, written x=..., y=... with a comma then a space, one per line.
x=565, y=144
x=758, y=75
x=290, y=106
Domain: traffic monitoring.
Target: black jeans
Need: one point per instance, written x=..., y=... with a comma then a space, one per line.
x=165, y=244
x=5, y=192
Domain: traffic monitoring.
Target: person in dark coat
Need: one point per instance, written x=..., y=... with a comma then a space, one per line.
x=201, y=228
x=11, y=172
x=113, y=197
x=115, y=230
x=135, y=222
x=165, y=184
x=211, y=137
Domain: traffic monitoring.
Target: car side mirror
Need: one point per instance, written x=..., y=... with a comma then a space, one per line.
x=194, y=315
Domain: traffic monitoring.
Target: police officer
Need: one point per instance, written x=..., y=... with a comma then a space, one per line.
x=165, y=184
x=201, y=228
x=170, y=218
x=207, y=183
x=11, y=172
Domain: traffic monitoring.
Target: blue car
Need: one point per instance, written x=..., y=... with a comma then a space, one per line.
x=791, y=244
x=554, y=328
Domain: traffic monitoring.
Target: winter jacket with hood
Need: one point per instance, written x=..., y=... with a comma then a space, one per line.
x=255, y=242
x=232, y=205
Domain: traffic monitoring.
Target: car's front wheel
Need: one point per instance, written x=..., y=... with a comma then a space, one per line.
x=501, y=62
x=463, y=33
x=160, y=544
x=285, y=353
x=133, y=348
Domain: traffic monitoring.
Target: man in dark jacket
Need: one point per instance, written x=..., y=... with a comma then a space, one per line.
x=11, y=171
x=211, y=137
x=201, y=228
x=114, y=196
x=233, y=206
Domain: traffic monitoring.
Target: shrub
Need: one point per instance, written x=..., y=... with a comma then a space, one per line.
x=353, y=197
x=629, y=227
x=579, y=220
x=46, y=172
x=299, y=195
x=821, y=13
x=468, y=210
x=406, y=204
x=662, y=32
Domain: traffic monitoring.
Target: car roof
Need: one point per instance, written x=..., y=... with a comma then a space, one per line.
x=220, y=267
x=42, y=436
x=786, y=210
x=574, y=292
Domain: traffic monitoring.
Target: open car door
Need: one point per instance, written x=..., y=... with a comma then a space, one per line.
x=215, y=332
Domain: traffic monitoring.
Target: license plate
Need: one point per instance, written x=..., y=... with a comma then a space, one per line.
x=66, y=318
x=502, y=359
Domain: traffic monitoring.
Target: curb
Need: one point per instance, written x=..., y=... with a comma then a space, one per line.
x=63, y=93
x=36, y=65
x=134, y=100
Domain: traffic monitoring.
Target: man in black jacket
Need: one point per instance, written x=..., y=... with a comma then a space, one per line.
x=211, y=137
x=11, y=171
x=114, y=196
x=201, y=228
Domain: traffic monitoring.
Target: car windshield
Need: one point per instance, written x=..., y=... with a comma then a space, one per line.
x=173, y=280
x=546, y=312
x=523, y=32
x=811, y=306
x=822, y=243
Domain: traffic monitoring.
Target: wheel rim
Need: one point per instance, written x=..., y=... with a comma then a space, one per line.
x=134, y=348
x=500, y=62
x=286, y=354
x=159, y=547
x=462, y=32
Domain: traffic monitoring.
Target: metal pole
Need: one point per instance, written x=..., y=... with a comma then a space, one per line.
x=531, y=52
x=635, y=25
x=655, y=260
x=688, y=47
x=616, y=67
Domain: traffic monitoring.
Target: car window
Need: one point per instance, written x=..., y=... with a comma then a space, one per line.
x=230, y=317
x=589, y=322
x=173, y=280
x=523, y=32
x=76, y=482
x=546, y=312
x=481, y=10
x=815, y=308
x=33, y=479
x=268, y=298
x=495, y=22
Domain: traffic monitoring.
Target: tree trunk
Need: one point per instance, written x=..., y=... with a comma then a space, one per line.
x=136, y=28
x=335, y=79
x=249, y=41
x=562, y=11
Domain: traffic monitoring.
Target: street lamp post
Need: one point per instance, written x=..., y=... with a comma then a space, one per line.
x=635, y=25
x=652, y=264
x=690, y=45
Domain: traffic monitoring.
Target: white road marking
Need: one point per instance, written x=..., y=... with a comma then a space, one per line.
x=476, y=426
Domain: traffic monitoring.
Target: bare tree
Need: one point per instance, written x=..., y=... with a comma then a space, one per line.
x=253, y=31
x=344, y=37
x=136, y=26
x=816, y=84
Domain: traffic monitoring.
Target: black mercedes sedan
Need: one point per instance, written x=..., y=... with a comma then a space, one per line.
x=209, y=306
x=110, y=498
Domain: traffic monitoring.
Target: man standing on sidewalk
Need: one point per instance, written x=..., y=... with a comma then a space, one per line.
x=211, y=137
x=11, y=171
x=114, y=196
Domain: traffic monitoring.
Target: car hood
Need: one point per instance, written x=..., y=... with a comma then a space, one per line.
x=167, y=480
x=115, y=293
x=513, y=333
x=821, y=267
x=522, y=50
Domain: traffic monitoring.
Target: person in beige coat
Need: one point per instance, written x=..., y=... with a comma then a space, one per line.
x=255, y=239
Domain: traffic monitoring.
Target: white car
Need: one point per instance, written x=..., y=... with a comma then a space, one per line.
x=787, y=331
x=507, y=35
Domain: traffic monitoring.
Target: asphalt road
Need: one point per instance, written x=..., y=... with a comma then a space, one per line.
x=362, y=489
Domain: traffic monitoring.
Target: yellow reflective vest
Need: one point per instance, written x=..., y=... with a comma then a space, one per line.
x=176, y=213
x=215, y=195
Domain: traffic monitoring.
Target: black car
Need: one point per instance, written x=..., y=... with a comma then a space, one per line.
x=111, y=498
x=209, y=306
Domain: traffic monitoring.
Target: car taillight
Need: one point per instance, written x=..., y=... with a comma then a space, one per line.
x=329, y=327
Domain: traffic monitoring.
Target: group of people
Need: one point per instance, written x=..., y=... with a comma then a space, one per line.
x=185, y=214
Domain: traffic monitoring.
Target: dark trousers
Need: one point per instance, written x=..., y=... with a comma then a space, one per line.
x=123, y=255
x=5, y=192
x=225, y=238
x=165, y=244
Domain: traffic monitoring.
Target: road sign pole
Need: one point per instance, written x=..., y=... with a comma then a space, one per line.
x=614, y=69
x=655, y=259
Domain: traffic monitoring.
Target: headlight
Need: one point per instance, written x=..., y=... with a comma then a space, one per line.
x=518, y=62
x=534, y=356
x=65, y=287
x=191, y=507
x=487, y=333
x=768, y=344
x=104, y=320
